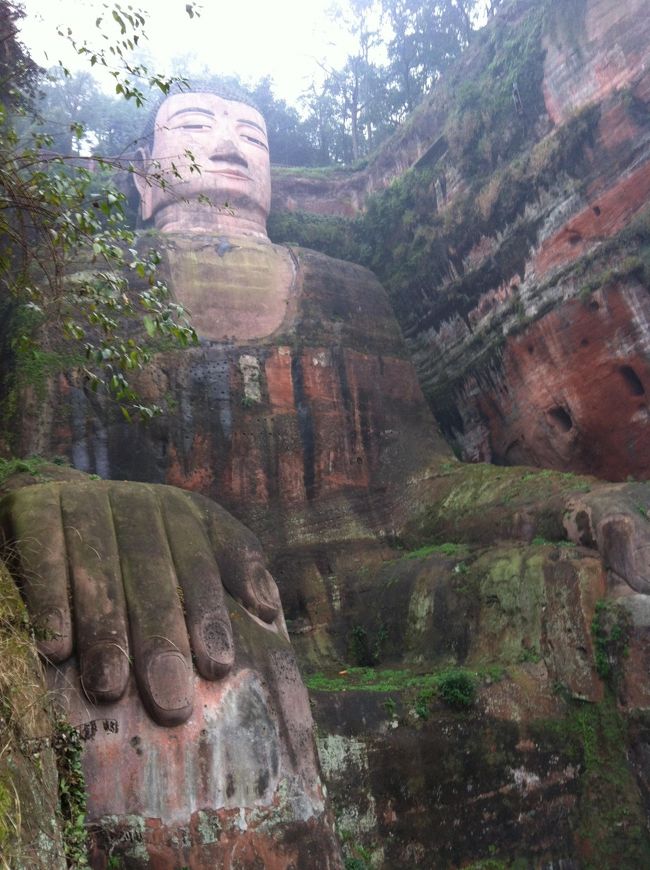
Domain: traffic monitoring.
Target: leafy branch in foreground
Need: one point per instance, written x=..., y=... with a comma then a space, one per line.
x=67, y=253
x=113, y=55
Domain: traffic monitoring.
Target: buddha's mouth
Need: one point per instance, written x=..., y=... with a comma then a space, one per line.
x=232, y=173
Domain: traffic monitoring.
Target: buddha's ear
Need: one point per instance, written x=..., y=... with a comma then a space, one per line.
x=143, y=182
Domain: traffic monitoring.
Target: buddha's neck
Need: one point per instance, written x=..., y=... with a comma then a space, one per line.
x=196, y=217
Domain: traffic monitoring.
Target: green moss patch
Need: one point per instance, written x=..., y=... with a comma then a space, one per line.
x=454, y=686
x=447, y=548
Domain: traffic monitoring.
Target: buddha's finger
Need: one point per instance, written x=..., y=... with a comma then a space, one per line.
x=35, y=548
x=206, y=614
x=250, y=582
x=161, y=651
x=241, y=562
x=101, y=628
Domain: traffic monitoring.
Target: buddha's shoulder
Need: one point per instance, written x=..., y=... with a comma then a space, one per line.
x=321, y=274
x=344, y=270
x=342, y=303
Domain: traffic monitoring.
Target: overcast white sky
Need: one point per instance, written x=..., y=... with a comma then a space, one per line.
x=281, y=38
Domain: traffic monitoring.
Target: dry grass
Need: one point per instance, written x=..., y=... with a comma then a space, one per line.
x=25, y=729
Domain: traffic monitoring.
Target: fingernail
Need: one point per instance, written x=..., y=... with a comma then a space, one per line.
x=264, y=590
x=216, y=637
x=104, y=672
x=170, y=683
x=53, y=634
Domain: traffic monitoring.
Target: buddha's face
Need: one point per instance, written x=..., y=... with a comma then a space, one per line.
x=227, y=140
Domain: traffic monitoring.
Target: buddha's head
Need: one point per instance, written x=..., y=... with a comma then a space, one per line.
x=206, y=166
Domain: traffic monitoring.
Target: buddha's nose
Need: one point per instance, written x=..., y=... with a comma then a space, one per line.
x=228, y=151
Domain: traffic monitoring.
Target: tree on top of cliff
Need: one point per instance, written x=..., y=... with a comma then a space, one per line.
x=399, y=49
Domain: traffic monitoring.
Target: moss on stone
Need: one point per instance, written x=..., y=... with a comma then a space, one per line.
x=610, y=629
x=453, y=685
x=480, y=503
x=512, y=594
x=610, y=829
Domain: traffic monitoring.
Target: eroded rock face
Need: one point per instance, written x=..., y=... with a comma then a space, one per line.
x=522, y=771
x=565, y=395
x=560, y=315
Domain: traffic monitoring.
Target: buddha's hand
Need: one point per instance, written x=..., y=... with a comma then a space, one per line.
x=139, y=570
x=615, y=518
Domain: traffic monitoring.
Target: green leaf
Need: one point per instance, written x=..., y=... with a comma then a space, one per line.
x=149, y=325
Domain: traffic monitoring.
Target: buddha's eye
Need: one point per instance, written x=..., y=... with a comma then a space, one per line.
x=195, y=127
x=248, y=138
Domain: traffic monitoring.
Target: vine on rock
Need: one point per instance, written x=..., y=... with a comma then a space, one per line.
x=73, y=798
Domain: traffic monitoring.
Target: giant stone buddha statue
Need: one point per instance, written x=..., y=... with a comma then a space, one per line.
x=300, y=413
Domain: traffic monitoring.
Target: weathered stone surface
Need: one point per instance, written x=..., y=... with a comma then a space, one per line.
x=311, y=432
x=561, y=380
x=239, y=310
x=563, y=389
x=524, y=771
x=237, y=783
x=601, y=51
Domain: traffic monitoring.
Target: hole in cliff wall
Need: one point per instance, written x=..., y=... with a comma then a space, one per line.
x=561, y=419
x=584, y=342
x=531, y=349
x=632, y=381
x=575, y=238
x=597, y=210
x=594, y=305
x=514, y=454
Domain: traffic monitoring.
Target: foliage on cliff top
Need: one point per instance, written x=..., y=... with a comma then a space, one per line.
x=494, y=111
x=335, y=236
